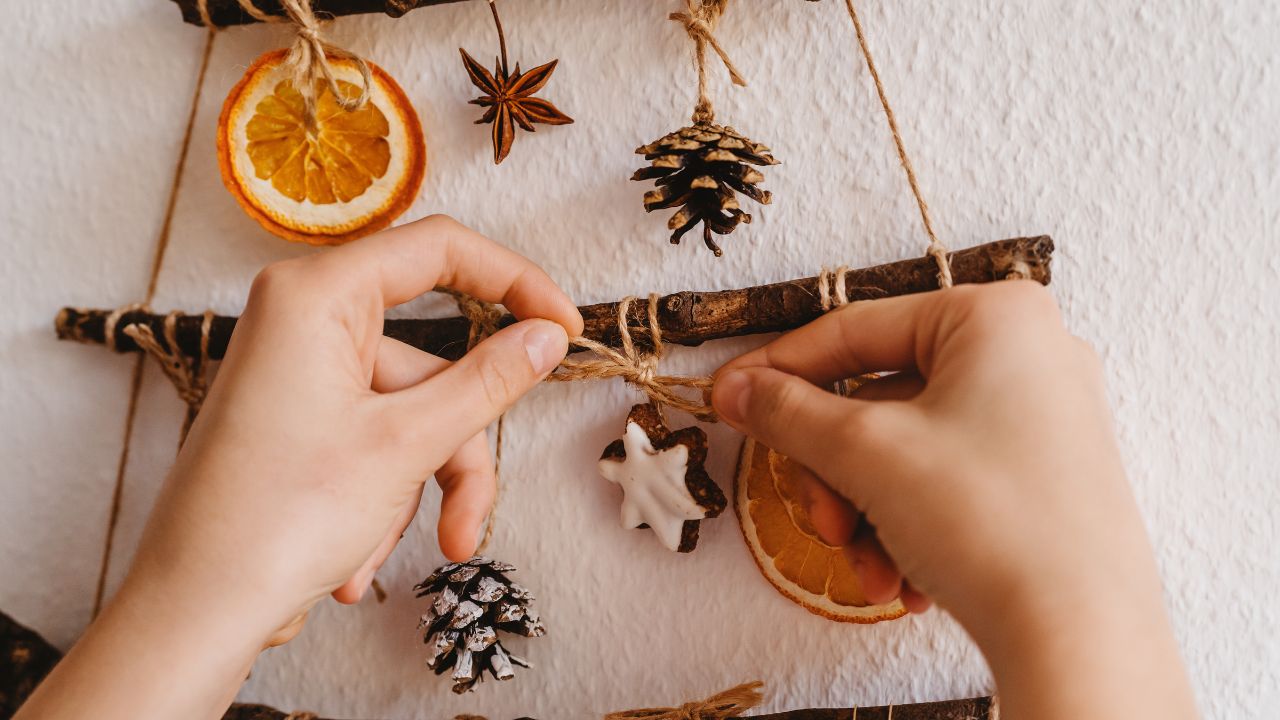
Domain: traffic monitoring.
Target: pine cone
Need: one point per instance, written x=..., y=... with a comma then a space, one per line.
x=700, y=167
x=473, y=601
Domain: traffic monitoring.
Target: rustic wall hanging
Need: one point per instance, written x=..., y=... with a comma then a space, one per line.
x=625, y=339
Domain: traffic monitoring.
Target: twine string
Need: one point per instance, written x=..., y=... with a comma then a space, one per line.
x=308, y=60
x=728, y=704
x=483, y=317
x=699, y=21
x=638, y=369
x=188, y=375
x=936, y=249
x=157, y=262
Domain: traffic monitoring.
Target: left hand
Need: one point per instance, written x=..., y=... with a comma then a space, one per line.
x=307, y=463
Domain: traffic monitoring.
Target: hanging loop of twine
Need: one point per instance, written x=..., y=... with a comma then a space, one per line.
x=639, y=369
x=936, y=249
x=188, y=375
x=308, y=60
x=728, y=704
x=699, y=21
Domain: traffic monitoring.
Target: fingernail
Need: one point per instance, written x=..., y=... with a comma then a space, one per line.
x=731, y=393
x=545, y=344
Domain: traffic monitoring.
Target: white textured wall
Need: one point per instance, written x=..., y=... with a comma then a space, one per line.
x=1142, y=136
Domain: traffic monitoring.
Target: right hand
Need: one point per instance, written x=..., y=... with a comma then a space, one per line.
x=983, y=473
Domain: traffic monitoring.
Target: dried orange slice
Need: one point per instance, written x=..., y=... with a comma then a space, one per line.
x=350, y=175
x=787, y=549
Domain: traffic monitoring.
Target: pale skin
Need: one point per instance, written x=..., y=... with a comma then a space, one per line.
x=982, y=476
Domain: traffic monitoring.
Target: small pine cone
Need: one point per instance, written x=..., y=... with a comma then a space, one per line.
x=700, y=168
x=474, y=600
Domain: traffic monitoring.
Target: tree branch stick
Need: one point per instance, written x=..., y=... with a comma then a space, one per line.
x=686, y=318
x=228, y=12
x=968, y=709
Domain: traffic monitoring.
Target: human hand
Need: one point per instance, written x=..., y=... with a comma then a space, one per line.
x=982, y=474
x=308, y=459
x=306, y=464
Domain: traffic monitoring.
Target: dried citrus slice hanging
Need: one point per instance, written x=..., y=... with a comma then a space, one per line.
x=787, y=549
x=348, y=176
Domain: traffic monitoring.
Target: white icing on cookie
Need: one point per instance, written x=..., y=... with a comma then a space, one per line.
x=653, y=486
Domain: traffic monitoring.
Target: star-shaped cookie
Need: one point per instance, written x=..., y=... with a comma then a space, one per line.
x=664, y=484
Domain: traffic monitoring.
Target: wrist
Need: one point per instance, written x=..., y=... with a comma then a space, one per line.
x=1102, y=651
x=150, y=654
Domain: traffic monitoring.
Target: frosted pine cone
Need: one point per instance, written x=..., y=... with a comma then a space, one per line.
x=474, y=600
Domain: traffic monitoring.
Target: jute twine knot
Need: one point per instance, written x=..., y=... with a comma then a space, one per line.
x=826, y=279
x=699, y=21
x=308, y=59
x=113, y=320
x=728, y=704
x=188, y=375
x=639, y=369
x=483, y=316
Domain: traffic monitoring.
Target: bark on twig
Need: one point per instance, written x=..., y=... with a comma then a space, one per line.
x=686, y=318
x=229, y=12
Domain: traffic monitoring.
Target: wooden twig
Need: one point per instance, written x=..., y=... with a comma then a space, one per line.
x=968, y=709
x=229, y=12
x=686, y=318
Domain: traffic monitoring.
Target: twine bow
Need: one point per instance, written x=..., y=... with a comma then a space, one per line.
x=699, y=22
x=728, y=704
x=308, y=59
x=639, y=369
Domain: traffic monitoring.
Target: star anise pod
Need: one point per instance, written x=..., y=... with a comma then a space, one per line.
x=509, y=96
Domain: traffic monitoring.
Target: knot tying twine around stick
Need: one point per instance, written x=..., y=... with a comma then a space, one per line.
x=639, y=369
x=729, y=704
x=308, y=59
x=833, y=293
x=188, y=375
x=699, y=21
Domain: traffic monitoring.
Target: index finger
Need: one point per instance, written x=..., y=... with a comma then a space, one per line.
x=412, y=259
x=908, y=332
x=863, y=337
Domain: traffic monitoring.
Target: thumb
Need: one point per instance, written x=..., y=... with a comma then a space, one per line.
x=466, y=397
x=794, y=417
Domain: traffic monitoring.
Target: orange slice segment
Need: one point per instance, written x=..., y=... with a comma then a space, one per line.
x=788, y=550
x=348, y=176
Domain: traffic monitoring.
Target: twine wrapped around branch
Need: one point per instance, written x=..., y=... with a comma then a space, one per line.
x=188, y=375
x=639, y=369
x=308, y=59
x=728, y=704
